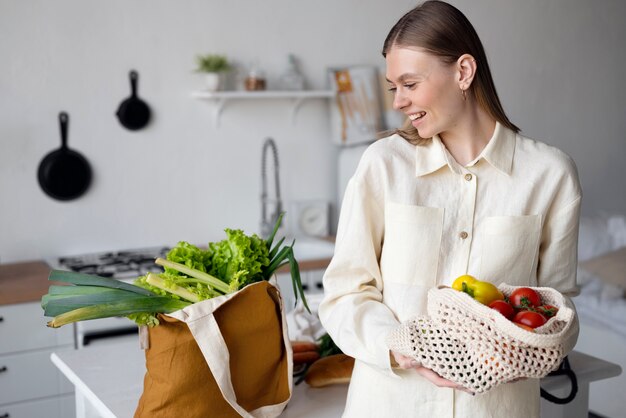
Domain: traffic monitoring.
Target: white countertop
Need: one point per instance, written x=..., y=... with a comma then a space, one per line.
x=110, y=379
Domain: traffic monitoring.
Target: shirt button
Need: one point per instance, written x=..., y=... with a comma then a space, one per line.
x=468, y=177
x=463, y=235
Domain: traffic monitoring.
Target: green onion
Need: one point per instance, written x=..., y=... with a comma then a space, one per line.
x=295, y=275
x=270, y=239
x=276, y=248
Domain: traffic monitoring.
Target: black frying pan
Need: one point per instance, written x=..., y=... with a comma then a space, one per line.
x=133, y=113
x=64, y=174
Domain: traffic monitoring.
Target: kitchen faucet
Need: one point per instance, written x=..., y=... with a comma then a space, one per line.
x=267, y=223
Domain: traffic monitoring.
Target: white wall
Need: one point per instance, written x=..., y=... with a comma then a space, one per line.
x=556, y=65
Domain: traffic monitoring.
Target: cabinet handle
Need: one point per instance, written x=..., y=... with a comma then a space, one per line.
x=5, y=415
x=3, y=369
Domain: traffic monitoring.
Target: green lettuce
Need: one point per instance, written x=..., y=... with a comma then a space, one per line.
x=190, y=256
x=239, y=259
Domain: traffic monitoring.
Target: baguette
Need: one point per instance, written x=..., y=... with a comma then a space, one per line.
x=331, y=370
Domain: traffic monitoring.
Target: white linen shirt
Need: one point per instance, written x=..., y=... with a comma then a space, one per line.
x=413, y=218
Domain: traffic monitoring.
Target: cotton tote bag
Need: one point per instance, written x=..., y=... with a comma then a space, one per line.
x=224, y=357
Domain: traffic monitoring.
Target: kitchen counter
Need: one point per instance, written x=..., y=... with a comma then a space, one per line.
x=23, y=282
x=109, y=381
x=312, y=253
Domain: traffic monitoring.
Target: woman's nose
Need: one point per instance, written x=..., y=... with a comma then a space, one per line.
x=399, y=101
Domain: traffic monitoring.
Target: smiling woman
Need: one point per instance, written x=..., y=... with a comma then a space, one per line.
x=426, y=89
x=432, y=31
x=457, y=191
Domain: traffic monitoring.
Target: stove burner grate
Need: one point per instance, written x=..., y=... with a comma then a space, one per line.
x=116, y=264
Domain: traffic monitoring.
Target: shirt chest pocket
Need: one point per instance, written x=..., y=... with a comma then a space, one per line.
x=411, y=244
x=510, y=248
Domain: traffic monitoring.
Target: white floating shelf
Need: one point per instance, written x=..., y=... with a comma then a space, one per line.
x=297, y=97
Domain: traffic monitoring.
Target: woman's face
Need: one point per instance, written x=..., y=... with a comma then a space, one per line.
x=425, y=89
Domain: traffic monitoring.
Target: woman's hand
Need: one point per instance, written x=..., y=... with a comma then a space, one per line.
x=405, y=362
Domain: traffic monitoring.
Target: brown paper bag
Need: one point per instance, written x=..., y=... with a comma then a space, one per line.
x=224, y=357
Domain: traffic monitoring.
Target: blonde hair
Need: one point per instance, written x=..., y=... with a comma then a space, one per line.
x=444, y=31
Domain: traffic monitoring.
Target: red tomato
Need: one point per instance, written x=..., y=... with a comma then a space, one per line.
x=530, y=319
x=503, y=307
x=524, y=297
x=547, y=310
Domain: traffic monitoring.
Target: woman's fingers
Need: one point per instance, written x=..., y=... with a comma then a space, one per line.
x=404, y=362
x=437, y=380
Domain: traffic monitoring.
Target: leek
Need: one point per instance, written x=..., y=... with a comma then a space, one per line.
x=54, y=305
x=90, y=280
x=148, y=304
x=92, y=297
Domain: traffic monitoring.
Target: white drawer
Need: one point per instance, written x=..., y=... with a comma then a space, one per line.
x=23, y=327
x=30, y=375
x=58, y=407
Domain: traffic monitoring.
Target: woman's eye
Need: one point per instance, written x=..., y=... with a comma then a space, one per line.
x=409, y=86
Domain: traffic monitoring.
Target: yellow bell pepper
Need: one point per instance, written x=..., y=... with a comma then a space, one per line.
x=483, y=292
x=465, y=279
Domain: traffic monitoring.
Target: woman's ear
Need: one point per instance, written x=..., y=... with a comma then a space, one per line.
x=466, y=70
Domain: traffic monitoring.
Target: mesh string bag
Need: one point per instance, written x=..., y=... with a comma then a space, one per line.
x=475, y=346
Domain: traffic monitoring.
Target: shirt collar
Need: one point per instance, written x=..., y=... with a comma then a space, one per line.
x=430, y=157
x=498, y=152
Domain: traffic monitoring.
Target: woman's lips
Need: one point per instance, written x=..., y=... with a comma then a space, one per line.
x=416, y=118
x=418, y=115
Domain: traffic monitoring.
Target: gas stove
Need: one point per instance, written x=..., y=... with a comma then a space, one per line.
x=126, y=264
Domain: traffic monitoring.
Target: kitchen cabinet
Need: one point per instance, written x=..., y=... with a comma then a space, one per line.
x=55, y=407
x=30, y=385
x=222, y=98
x=23, y=328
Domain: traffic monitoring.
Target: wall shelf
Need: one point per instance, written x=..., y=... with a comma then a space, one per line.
x=221, y=98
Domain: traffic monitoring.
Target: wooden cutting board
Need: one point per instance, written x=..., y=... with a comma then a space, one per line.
x=23, y=282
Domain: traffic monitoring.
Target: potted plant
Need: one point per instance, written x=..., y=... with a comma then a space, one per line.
x=214, y=66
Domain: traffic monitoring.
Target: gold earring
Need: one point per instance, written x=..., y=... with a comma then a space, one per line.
x=463, y=93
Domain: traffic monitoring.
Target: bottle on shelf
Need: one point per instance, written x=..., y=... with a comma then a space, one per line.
x=255, y=79
x=292, y=79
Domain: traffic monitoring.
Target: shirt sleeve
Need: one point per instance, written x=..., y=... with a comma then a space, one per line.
x=352, y=310
x=558, y=252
